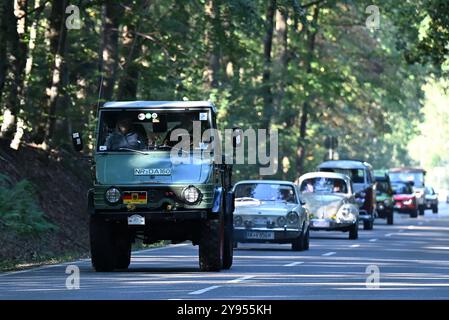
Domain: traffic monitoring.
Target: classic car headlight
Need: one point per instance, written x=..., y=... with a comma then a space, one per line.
x=292, y=217
x=344, y=214
x=113, y=195
x=191, y=194
x=281, y=221
x=238, y=221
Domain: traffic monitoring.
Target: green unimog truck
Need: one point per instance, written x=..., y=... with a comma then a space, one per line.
x=140, y=192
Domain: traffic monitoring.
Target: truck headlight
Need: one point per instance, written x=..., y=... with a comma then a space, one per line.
x=113, y=195
x=191, y=195
x=292, y=217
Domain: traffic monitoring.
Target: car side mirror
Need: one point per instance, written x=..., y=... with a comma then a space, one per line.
x=237, y=137
x=77, y=141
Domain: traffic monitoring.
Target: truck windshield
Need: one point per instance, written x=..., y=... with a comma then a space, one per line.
x=149, y=129
x=416, y=177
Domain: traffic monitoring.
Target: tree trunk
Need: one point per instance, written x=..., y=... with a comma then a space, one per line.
x=3, y=32
x=266, y=77
x=112, y=12
x=57, y=35
x=127, y=89
x=301, y=148
x=16, y=58
x=212, y=42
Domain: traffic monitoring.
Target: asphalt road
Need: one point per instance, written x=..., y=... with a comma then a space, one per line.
x=412, y=257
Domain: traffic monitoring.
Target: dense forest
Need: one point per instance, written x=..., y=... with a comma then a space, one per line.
x=350, y=69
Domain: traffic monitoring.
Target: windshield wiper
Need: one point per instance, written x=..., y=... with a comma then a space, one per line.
x=134, y=150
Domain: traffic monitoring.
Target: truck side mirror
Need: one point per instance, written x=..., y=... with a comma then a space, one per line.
x=237, y=137
x=77, y=141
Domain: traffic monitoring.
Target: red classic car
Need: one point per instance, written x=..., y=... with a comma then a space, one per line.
x=405, y=199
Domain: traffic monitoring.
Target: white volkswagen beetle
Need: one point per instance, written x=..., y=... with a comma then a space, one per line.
x=330, y=201
x=270, y=211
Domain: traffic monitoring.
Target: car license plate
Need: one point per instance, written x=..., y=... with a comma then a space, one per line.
x=398, y=206
x=135, y=197
x=136, y=220
x=321, y=223
x=260, y=235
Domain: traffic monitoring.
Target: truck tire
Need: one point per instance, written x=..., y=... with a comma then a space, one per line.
x=368, y=224
x=421, y=210
x=390, y=217
x=414, y=213
x=228, y=246
x=102, y=247
x=211, y=245
x=435, y=208
x=122, y=248
x=354, y=231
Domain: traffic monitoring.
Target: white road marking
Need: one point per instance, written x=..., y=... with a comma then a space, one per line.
x=372, y=240
x=328, y=254
x=293, y=264
x=355, y=246
x=205, y=290
x=388, y=235
x=241, y=279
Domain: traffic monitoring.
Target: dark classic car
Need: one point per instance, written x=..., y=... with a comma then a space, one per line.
x=361, y=174
x=384, y=198
x=431, y=199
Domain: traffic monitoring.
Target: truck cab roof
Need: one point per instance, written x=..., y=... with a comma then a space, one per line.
x=158, y=105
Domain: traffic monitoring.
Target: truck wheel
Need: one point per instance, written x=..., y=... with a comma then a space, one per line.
x=122, y=248
x=228, y=246
x=101, y=244
x=390, y=217
x=354, y=231
x=211, y=245
x=368, y=224
x=421, y=210
x=414, y=213
x=435, y=208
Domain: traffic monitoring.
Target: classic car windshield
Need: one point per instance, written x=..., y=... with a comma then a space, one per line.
x=382, y=187
x=402, y=188
x=416, y=177
x=356, y=175
x=266, y=192
x=147, y=129
x=324, y=185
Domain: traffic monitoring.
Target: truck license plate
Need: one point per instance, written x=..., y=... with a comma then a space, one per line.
x=136, y=220
x=260, y=235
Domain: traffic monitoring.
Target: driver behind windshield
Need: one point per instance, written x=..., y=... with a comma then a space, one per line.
x=124, y=136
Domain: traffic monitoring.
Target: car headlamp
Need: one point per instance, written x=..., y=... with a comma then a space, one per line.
x=292, y=217
x=113, y=195
x=191, y=195
x=238, y=221
x=345, y=214
x=281, y=221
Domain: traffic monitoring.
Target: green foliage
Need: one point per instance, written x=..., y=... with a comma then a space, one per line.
x=19, y=209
